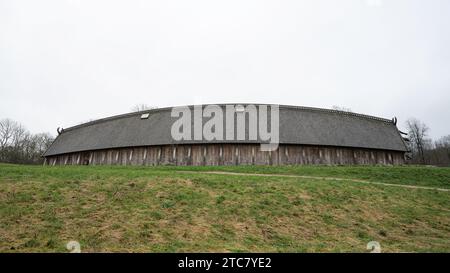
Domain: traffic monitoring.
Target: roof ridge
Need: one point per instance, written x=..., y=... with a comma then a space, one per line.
x=338, y=111
x=325, y=110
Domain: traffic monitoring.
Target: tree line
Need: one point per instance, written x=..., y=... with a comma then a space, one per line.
x=18, y=145
x=422, y=149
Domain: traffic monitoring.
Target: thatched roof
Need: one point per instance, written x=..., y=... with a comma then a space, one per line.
x=298, y=125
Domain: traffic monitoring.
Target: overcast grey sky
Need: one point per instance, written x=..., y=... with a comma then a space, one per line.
x=67, y=61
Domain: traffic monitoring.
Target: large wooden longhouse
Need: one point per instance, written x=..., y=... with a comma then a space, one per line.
x=306, y=136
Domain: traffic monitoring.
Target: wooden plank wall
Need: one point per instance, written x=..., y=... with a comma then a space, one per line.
x=229, y=154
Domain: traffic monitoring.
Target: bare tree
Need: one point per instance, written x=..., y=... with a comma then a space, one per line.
x=141, y=107
x=19, y=135
x=418, y=132
x=443, y=142
x=7, y=128
x=441, y=152
x=43, y=142
x=18, y=145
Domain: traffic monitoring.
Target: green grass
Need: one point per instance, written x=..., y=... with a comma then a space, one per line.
x=145, y=209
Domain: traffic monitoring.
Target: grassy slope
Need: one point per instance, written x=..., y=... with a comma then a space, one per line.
x=158, y=209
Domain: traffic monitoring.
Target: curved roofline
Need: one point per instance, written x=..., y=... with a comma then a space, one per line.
x=325, y=110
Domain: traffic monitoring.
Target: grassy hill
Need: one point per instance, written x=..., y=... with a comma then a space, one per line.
x=180, y=209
